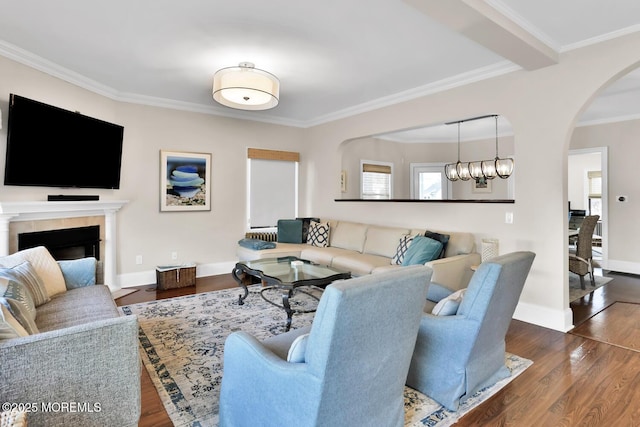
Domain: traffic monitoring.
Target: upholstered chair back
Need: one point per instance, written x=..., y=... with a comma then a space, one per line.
x=457, y=355
x=359, y=341
x=348, y=369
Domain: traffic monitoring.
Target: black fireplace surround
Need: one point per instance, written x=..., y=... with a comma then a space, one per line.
x=66, y=243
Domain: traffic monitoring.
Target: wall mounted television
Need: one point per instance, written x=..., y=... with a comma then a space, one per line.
x=48, y=146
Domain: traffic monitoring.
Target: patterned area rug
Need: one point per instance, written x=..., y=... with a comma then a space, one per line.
x=575, y=292
x=182, y=342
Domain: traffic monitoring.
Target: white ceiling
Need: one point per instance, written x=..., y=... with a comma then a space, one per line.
x=334, y=58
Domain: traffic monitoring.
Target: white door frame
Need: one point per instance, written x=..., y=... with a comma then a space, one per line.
x=446, y=188
x=604, y=154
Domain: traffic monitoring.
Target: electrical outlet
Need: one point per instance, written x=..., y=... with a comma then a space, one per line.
x=139, y=259
x=174, y=255
x=508, y=218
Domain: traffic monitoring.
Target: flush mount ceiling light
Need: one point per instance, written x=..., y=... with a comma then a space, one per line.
x=246, y=88
x=481, y=169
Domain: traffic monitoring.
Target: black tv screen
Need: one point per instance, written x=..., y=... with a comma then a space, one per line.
x=52, y=147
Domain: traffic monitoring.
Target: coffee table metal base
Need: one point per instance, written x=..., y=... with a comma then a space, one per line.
x=286, y=305
x=287, y=274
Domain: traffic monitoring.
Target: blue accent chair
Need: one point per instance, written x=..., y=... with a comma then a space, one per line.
x=347, y=369
x=457, y=355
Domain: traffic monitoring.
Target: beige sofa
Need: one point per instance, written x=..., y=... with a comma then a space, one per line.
x=369, y=249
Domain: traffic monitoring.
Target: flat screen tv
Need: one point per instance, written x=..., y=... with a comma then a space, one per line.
x=52, y=147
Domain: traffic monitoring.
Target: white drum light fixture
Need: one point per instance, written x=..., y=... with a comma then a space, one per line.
x=246, y=88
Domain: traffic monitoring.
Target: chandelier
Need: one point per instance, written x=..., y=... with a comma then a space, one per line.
x=480, y=169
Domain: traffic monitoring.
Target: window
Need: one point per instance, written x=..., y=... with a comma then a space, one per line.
x=595, y=192
x=376, y=179
x=428, y=181
x=272, y=192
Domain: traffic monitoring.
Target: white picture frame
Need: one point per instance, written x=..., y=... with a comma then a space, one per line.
x=193, y=170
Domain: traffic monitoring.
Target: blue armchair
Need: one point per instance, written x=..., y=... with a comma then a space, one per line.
x=457, y=355
x=348, y=370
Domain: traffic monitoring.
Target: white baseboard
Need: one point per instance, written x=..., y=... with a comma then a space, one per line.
x=141, y=278
x=622, y=266
x=559, y=320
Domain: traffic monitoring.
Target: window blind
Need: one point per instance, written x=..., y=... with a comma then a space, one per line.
x=376, y=181
x=595, y=184
x=273, y=187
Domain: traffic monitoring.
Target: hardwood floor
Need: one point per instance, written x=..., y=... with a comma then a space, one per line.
x=574, y=380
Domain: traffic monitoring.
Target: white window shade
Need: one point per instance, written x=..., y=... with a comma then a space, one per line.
x=273, y=192
x=595, y=184
x=376, y=181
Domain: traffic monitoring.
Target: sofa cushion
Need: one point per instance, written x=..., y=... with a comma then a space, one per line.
x=17, y=299
x=79, y=272
x=383, y=240
x=43, y=263
x=9, y=326
x=422, y=249
x=25, y=274
x=323, y=256
x=359, y=264
x=281, y=250
x=349, y=235
x=290, y=230
x=401, y=249
x=442, y=238
x=77, y=307
x=449, y=305
x=318, y=234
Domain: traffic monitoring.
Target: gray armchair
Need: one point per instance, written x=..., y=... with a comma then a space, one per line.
x=457, y=355
x=349, y=370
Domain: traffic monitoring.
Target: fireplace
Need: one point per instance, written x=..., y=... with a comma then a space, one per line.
x=28, y=216
x=66, y=243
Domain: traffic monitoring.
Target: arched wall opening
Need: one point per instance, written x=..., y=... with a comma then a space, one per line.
x=615, y=140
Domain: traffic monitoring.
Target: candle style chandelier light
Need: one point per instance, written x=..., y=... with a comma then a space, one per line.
x=481, y=169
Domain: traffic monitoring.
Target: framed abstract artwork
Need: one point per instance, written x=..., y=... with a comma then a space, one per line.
x=481, y=185
x=185, y=181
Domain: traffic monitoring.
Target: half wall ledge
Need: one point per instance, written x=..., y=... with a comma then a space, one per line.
x=429, y=201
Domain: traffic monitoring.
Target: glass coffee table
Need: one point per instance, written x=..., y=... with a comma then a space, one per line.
x=287, y=274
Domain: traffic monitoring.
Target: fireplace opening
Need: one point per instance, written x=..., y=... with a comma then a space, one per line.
x=66, y=243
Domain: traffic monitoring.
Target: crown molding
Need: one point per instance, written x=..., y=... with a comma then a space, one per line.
x=48, y=67
x=608, y=120
x=484, y=73
x=523, y=23
x=601, y=38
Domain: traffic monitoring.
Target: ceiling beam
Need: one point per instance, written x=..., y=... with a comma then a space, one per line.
x=484, y=24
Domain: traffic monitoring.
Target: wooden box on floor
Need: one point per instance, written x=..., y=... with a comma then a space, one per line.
x=175, y=276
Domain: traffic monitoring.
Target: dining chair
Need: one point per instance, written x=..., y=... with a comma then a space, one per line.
x=581, y=262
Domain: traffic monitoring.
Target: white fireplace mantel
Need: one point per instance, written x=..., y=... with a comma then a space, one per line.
x=43, y=210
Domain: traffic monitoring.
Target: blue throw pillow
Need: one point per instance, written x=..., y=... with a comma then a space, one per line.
x=422, y=249
x=442, y=238
x=289, y=231
x=78, y=272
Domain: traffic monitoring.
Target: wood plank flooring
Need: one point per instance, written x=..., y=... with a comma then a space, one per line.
x=618, y=324
x=574, y=381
